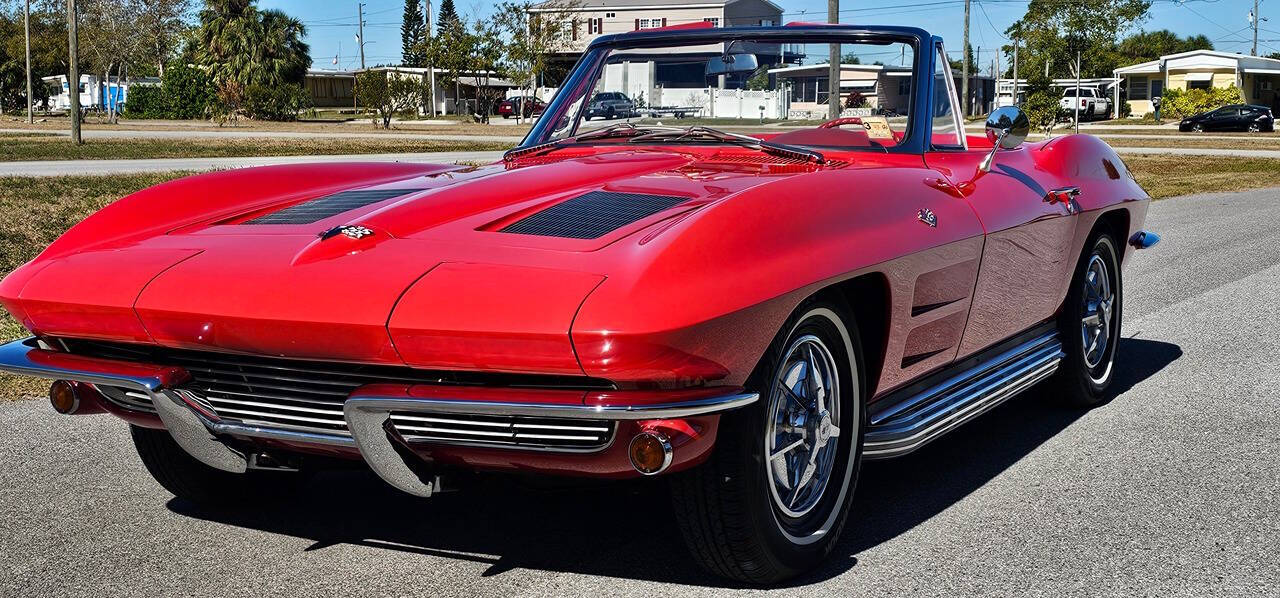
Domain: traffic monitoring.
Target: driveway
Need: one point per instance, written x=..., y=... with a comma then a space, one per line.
x=1171, y=489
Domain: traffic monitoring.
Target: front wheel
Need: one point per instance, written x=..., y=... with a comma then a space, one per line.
x=1197, y=128
x=1254, y=127
x=185, y=477
x=1090, y=324
x=773, y=499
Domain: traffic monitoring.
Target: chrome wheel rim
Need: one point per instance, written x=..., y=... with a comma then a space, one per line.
x=1099, y=301
x=802, y=432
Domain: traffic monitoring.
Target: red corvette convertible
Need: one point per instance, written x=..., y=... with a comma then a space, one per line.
x=749, y=315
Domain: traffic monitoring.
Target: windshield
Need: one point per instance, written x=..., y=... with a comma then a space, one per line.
x=745, y=87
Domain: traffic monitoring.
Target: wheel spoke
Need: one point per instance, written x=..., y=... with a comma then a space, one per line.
x=835, y=431
x=782, y=452
x=791, y=394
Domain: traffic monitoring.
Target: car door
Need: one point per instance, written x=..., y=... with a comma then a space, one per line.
x=1028, y=219
x=1221, y=119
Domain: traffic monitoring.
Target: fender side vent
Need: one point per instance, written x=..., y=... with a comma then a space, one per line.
x=318, y=209
x=592, y=215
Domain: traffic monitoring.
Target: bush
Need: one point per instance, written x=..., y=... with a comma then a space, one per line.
x=146, y=101
x=282, y=103
x=1126, y=109
x=188, y=91
x=184, y=93
x=1178, y=103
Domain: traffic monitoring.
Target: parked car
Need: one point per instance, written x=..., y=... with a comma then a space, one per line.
x=1091, y=102
x=526, y=106
x=1237, y=117
x=752, y=317
x=610, y=105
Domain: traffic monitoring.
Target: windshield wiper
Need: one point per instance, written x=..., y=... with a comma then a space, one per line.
x=747, y=141
x=617, y=130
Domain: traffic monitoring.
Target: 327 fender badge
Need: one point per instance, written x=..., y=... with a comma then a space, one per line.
x=928, y=217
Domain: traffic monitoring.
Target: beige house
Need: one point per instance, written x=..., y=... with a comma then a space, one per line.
x=1256, y=76
x=594, y=18
x=884, y=87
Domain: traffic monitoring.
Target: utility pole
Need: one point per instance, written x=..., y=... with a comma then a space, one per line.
x=1077, y=98
x=360, y=35
x=964, y=64
x=431, y=64
x=73, y=77
x=1254, y=18
x=833, y=73
x=26, y=25
x=1015, y=71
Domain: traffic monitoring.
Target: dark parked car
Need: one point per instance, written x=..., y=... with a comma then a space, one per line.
x=525, y=105
x=610, y=104
x=1238, y=117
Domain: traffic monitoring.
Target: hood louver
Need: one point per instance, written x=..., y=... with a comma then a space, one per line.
x=309, y=212
x=592, y=215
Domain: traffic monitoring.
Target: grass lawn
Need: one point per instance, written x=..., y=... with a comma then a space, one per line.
x=1191, y=142
x=22, y=147
x=1167, y=176
x=34, y=211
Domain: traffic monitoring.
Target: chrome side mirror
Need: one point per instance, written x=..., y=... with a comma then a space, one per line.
x=1007, y=128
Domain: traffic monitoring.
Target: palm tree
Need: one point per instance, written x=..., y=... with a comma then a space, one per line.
x=242, y=44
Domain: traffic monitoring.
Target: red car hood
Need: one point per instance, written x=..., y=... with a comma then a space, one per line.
x=432, y=280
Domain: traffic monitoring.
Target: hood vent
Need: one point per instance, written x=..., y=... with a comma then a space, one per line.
x=309, y=212
x=592, y=215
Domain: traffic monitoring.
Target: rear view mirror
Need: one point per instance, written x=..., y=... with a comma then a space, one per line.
x=732, y=63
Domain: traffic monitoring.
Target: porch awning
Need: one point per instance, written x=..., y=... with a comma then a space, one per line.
x=1199, y=77
x=1261, y=71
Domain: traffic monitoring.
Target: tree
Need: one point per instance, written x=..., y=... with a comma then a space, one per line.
x=448, y=15
x=488, y=48
x=412, y=34
x=1046, y=32
x=531, y=37
x=1042, y=104
x=161, y=28
x=48, y=50
x=387, y=94
x=451, y=50
x=1151, y=45
x=237, y=42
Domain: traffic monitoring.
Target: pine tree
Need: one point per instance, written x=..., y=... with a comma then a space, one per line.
x=448, y=16
x=412, y=34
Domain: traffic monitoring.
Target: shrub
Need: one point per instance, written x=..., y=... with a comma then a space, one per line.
x=1126, y=109
x=184, y=93
x=282, y=103
x=855, y=99
x=146, y=101
x=387, y=96
x=1178, y=103
x=188, y=91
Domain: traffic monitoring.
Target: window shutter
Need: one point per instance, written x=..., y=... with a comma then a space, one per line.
x=637, y=24
x=664, y=21
x=575, y=31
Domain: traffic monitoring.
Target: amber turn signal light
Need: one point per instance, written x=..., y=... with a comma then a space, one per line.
x=650, y=452
x=63, y=396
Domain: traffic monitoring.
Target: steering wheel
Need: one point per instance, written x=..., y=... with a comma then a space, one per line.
x=839, y=122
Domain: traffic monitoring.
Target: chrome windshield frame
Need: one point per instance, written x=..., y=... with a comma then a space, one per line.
x=586, y=71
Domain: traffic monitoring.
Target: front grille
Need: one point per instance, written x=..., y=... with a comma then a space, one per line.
x=308, y=396
x=592, y=215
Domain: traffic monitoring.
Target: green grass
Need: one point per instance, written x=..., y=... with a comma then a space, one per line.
x=1168, y=176
x=24, y=147
x=33, y=212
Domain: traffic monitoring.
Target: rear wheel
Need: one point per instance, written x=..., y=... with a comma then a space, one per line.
x=773, y=499
x=185, y=477
x=1197, y=128
x=1254, y=127
x=1090, y=324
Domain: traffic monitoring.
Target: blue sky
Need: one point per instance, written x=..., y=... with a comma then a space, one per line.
x=332, y=25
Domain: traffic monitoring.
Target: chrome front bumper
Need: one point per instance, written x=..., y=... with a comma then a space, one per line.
x=367, y=411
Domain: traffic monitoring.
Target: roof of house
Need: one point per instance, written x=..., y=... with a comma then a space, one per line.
x=821, y=69
x=1204, y=59
x=594, y=5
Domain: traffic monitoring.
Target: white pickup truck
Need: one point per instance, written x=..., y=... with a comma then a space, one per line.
x=1092, y=104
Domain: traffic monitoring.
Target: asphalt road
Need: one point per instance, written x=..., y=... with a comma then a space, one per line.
x=1171, y=489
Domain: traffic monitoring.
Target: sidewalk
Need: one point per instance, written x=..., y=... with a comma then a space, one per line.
x=104, y=167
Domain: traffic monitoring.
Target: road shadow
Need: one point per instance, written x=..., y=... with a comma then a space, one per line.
x=627, y=530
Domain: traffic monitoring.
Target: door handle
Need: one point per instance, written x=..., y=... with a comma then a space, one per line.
x=1065, y=196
